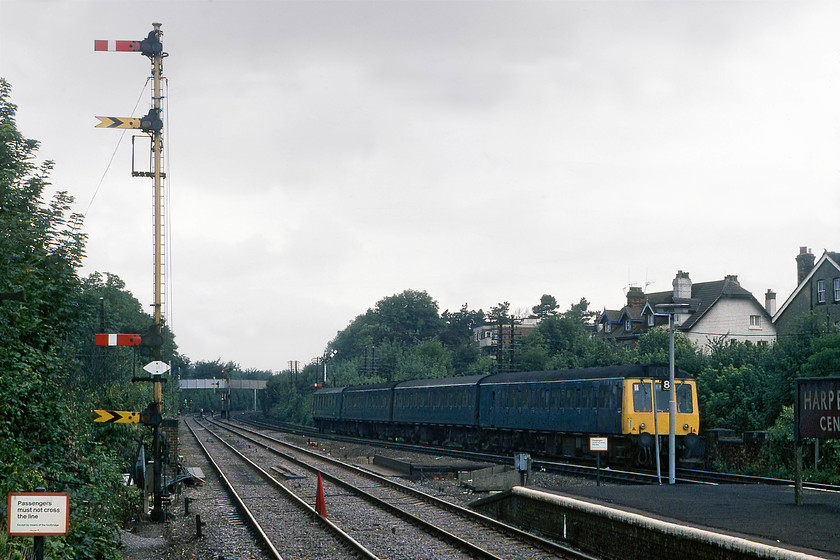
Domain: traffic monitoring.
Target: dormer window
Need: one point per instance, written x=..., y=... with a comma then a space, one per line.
x=628, y=326
x=650, y=320
x=820, y=291
x=607, y=327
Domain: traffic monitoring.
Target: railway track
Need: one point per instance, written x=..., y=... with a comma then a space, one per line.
x=684, y=475
x=546, y=465
x=256, y=493
x=389, y=519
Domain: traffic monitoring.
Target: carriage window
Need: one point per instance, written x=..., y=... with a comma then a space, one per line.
x=684, y=403
x=641, y=397
x=604, y=396
x=586, y=397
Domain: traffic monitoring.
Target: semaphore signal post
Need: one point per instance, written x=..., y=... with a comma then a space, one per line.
x=151, y=124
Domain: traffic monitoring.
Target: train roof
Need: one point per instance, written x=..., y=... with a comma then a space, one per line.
x=371, y=387
x=657, y=371
x=329, y=390
x=442, y=381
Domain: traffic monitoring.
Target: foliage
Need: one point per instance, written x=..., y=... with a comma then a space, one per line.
x=654, y=347
x=546, y=307
x=404, y=337
x=729, y=398
x=46, y=437
x=288, y=400
x=563, y=341
x=429, y=359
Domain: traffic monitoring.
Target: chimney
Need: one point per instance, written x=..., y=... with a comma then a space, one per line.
x=635, y=297
x=770, y=302
x=732, y=278
x=682, y=286
x=804, y=264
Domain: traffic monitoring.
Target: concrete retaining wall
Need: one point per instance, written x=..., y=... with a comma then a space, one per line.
x=615, y=534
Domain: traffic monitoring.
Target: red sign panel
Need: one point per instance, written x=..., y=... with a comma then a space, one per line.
x=818, y=408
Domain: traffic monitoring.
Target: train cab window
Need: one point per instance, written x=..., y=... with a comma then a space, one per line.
x=642, y=401
x=662, y=399
x=684, y=402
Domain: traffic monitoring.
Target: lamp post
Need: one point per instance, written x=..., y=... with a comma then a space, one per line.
x=671, y=309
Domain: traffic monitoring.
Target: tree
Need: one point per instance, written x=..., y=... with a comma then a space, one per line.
x=654, y=347
x=458, y=326
x=106, y=306
x=411, y=316
x=44, y=441
x=563, y=341
x=429, y=359
x=457, y=336
x=547, y=307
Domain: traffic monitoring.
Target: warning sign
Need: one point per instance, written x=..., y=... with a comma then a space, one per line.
x=38, y=514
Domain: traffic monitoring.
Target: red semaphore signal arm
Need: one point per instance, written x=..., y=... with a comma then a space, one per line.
x=118, y=46
x=118, y=340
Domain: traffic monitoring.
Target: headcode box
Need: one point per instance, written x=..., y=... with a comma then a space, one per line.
x=39, y=514
x=818, y=408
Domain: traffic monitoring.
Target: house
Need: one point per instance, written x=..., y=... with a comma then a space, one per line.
x=717, y=309
x=817, y=289
x=491, y=338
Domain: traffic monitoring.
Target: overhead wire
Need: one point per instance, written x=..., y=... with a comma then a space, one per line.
x=111, y=159
x=167, y=233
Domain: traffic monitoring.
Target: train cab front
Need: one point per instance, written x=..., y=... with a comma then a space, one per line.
x=641, y=425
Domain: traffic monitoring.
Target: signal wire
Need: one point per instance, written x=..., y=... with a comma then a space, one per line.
x=111, y=160
x=167, y=229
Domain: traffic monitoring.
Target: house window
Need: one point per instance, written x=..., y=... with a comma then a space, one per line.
x=755, y=321
x=607, y=327
x=836, y=290
x=820, y=291
x=650, y=320
x=628, y=326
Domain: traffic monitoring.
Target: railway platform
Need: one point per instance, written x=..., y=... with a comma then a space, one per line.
x=689, y=517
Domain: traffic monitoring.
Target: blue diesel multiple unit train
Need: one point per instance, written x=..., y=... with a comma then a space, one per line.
x=549, y=413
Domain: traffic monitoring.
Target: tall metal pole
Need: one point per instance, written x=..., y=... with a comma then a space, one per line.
x=157, y=349
x=672, y=409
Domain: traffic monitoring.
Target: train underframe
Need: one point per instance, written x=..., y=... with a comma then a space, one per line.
x=623, y=449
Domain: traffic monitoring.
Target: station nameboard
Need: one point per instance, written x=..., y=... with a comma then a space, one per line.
x=818, y=408
x=39, y=514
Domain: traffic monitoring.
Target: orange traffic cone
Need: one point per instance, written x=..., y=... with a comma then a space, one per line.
x=320, y=504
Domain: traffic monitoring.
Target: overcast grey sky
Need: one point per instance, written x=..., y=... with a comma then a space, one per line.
x=324, y=155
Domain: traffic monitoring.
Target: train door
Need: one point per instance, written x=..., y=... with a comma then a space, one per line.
x=493, y=408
